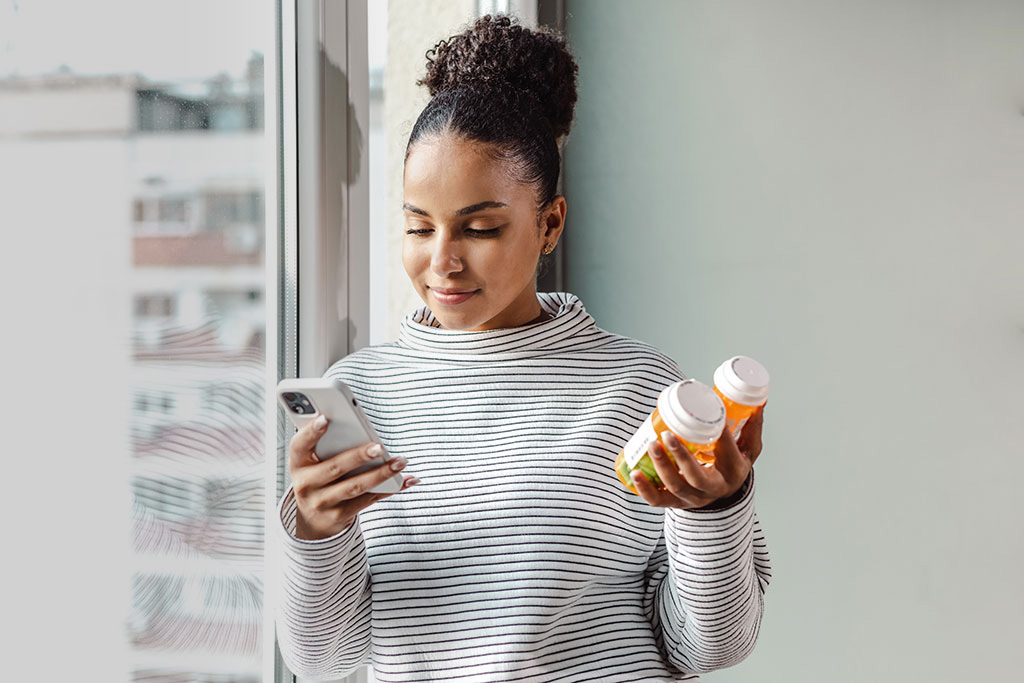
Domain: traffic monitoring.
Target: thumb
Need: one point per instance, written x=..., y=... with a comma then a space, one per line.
x=302, y=450
x=750, y=438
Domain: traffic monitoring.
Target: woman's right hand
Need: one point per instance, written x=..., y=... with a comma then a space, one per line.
x=327, y=506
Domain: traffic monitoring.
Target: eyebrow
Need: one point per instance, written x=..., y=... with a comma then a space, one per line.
x=472, y=208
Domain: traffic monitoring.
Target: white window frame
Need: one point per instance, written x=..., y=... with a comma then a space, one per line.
x=317, y=227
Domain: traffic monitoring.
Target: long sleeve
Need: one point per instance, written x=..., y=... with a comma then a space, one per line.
x=323, y=607
x=705, y=585
x=520, y=556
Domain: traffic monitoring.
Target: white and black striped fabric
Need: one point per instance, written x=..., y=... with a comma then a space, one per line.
x=520, y=556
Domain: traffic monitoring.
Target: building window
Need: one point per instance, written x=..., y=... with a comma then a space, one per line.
x=155, y=306
x=223, y=209
x=154, y=402
x=167, y=214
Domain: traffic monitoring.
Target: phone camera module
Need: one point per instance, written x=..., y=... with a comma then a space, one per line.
x=297, y=402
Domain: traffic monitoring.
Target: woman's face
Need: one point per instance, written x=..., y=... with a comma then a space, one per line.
x=472, y=238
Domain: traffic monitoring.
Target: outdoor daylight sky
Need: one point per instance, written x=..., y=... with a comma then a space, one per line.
x=160, y=39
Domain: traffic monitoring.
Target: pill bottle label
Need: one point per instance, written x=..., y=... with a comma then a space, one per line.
x=636, y=447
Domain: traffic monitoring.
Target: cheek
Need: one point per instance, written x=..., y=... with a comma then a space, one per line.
x=510, y=266
x=412, y=258
x=500, y=261
x=524, y=258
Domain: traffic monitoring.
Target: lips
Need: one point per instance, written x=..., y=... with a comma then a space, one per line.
x=452, y=297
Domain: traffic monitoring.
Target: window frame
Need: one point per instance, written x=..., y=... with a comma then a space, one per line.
x=317, y=226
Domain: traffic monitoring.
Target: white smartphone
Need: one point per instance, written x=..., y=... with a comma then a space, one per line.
x=304, y=399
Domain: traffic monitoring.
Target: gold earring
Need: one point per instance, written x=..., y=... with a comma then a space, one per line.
x=548, y=248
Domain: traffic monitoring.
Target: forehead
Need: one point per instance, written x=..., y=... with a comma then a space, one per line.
x=447, y=171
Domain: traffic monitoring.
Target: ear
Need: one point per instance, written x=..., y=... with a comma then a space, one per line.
x=553, y=219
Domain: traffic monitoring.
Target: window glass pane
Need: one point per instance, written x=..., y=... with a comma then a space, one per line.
x=149, y=116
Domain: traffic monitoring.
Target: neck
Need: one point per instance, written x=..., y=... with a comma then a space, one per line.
x=544, y=315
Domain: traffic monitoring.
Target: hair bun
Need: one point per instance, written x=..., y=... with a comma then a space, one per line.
x=498, y=52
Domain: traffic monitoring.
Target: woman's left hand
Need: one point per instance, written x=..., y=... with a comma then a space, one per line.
x=691, y=484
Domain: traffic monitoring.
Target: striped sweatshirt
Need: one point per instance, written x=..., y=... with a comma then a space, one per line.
x=520, y=556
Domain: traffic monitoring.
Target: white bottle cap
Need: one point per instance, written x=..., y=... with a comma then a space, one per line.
x=692, y=411
x=743, y=380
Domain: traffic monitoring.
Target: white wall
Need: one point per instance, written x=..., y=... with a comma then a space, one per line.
x=833, y=188
x=75, y=105
x=66, y=302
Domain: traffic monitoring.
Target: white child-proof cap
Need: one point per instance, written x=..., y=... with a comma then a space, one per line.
x=693, y=411
x=743, y=380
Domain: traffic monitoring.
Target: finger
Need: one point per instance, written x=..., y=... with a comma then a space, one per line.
x=689, y=488
x=704, y=480
x=334, y=468
x=300, y=451
x=663, y=498
x=654, y=496
x=364, y=501
x=357, y=485
x=750, y=438
x=730, y=462
x=353, y=507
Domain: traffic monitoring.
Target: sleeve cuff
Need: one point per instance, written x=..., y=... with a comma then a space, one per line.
x=288, y=511
x=734, y=499
x=722, y=512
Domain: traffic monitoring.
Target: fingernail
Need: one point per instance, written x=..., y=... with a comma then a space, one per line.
x=669, y=439
x=320, y=422
x=398, y=463
x=412, y=481
x=376, y=450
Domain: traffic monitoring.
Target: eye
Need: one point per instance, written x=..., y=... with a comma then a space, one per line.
x=417, y=231
x=482, y=233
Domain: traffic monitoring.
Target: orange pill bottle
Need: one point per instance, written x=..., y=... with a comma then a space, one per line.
x=742, y=384
x=692, y=411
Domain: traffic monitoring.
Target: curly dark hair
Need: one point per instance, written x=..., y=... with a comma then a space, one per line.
x=508, y=86
x=497, y=51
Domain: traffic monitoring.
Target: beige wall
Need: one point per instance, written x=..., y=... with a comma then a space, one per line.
x=835, y=189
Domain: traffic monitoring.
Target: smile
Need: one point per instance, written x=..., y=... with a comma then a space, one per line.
x=452, y=297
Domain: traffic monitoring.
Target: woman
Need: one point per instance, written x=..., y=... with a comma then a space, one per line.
x=519, y=556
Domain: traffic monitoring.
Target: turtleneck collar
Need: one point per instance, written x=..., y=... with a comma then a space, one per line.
x=568, y=327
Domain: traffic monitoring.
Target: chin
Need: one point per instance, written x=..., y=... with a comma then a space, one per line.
x=468, y=319
x=465, y=316
x=456, y=321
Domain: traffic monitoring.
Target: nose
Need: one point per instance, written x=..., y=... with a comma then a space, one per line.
x=446, y=258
